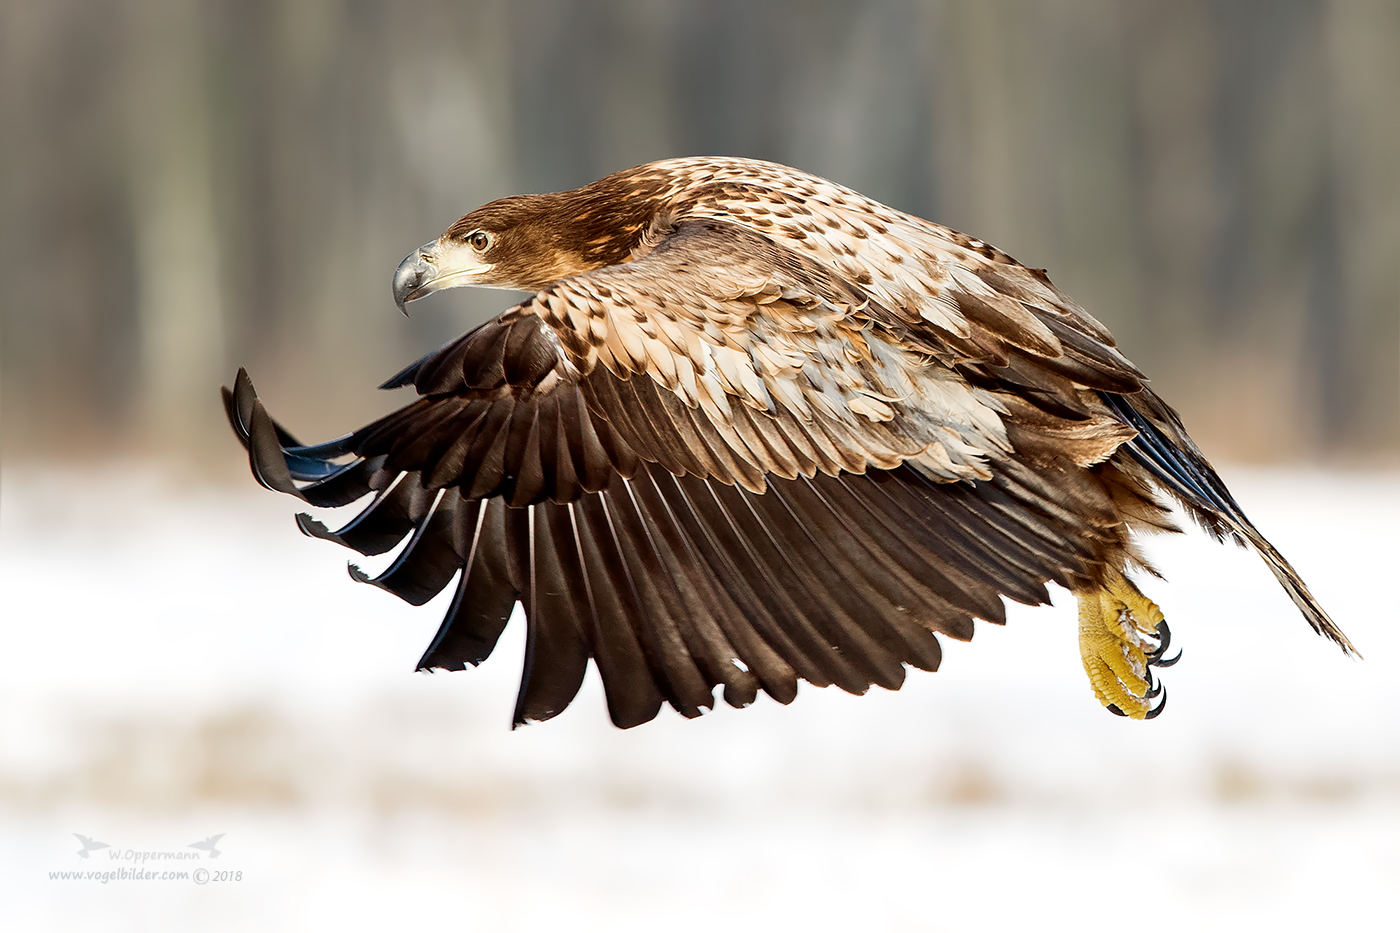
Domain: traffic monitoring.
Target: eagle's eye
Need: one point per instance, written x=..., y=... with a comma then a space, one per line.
x=479, y=241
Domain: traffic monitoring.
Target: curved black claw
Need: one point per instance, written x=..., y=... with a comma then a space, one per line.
x=1164, y=632
x=1155, y=658
x=1154, y=686
x=1113, y=708
x=1156, y=711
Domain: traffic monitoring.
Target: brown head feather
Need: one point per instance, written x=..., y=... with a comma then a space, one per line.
x=540, y=238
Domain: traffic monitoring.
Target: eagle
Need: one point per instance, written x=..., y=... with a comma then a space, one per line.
x=752, y=427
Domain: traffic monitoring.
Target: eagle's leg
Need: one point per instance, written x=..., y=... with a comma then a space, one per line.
x=1122, y=635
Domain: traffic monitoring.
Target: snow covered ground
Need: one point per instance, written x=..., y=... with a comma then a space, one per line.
x=178, y=662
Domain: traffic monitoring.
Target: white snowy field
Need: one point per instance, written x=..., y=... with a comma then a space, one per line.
x=178, y=662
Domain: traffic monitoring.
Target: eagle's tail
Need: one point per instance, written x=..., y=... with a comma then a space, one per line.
x=1297, y=590
x=1164, y=449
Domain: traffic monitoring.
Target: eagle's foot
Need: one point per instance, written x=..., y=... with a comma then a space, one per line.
x=1122, y=636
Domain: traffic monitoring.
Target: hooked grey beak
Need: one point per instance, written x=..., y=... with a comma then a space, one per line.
x=413, y=278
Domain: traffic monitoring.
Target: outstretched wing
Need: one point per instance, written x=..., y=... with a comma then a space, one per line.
x=718, y=465
x=1009, y=326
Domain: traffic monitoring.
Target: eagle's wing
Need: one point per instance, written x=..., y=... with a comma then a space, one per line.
x=1010, y=327
x=719, y=464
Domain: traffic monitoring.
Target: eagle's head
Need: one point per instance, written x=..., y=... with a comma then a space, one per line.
x=525, y=242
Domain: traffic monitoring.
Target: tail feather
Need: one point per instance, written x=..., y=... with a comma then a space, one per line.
x=1298, y=591
x=1181, y=468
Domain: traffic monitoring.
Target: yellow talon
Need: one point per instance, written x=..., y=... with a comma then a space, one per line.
x=1118, y=629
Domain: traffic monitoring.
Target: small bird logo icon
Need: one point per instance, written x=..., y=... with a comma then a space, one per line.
x=208, y=845
x=89, y=845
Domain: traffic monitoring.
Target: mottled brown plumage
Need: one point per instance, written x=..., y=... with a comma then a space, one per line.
x=751, y=427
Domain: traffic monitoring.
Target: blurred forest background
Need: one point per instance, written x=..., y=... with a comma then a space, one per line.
x=190, y=187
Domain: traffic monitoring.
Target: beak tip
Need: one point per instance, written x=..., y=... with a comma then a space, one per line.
x=410, y=278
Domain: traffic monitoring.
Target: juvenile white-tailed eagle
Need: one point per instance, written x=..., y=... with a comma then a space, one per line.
x=753, y=427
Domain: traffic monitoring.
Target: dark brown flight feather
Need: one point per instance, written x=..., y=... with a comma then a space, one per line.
x=751, y=428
